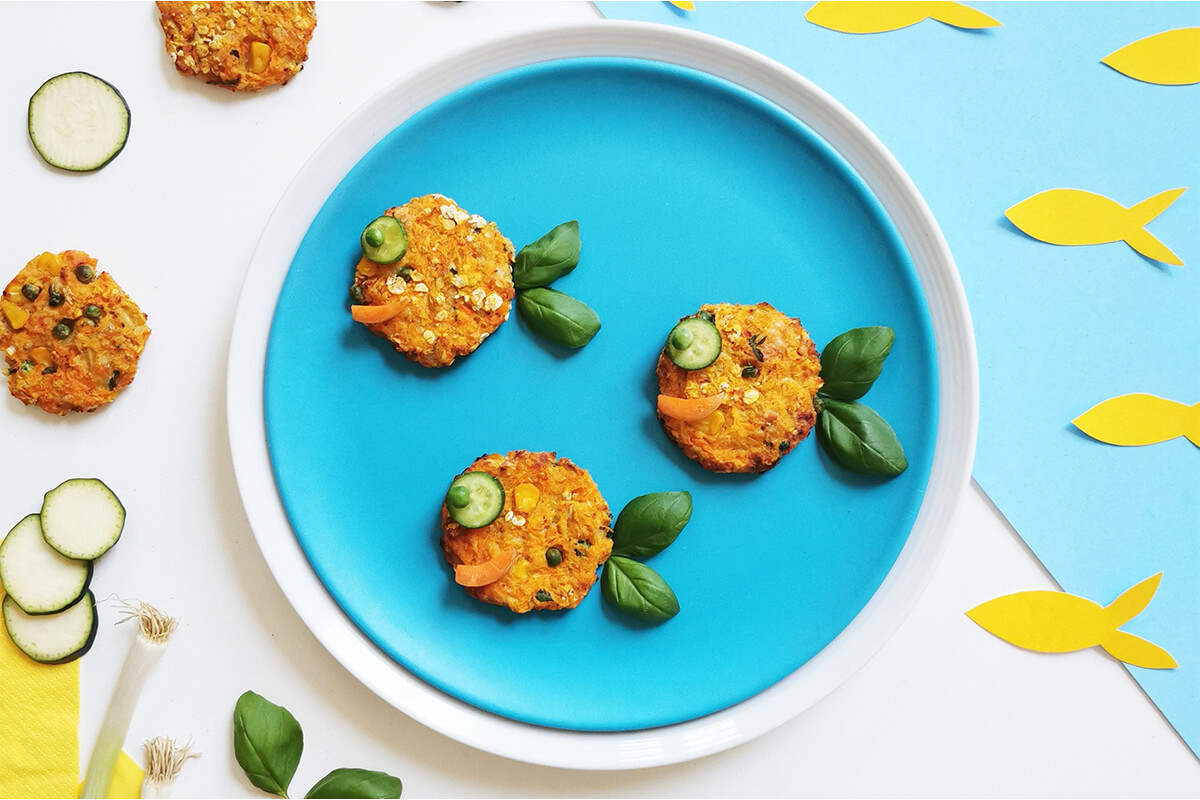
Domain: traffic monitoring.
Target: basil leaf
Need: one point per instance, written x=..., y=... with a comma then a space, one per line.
x=859, y=439
x=267, y=742
x=349, y=782
x=853, y=360
x=637, y=590
x=651, y=522
x=549, y=258
x=558, y=317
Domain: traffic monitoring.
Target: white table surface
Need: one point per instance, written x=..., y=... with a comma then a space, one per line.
x=943, y=710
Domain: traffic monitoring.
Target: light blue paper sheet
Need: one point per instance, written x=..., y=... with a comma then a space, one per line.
x=982, y=120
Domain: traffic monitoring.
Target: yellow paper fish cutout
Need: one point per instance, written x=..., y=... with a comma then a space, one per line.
x=873, y=17
x=1170, y=58
x=1057, y=622
x=126, y=783
x=683, y=5
x=1073, y=216
x=1136, y=419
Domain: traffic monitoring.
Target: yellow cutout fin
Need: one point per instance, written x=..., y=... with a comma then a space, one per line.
x=873, y=17
x=126, y=783
x=683, y=5
x=1073, y=217
x=1170, y=58
x=1057, y=622
x=1137, y=419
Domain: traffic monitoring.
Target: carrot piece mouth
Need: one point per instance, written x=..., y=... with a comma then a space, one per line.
x=374, y=314
x=486, y=572
x=689, y=409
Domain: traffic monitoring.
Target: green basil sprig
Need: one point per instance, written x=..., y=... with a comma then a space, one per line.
x=268, y=742
x=558, y=317
x=638, y=590
x=852, y=361
x=351, y=782
x=648, y=524
x=859, y=439
x=852, y=433
x=542, y=262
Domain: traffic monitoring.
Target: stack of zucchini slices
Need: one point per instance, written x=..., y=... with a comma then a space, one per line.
x=46, y=567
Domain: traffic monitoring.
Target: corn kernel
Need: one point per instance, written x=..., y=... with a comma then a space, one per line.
x=41, y=356
x=260, y=56
x=526, y=497
x=16, y=316
x=712, y=424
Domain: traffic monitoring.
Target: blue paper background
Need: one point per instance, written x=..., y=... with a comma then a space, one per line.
x=982, y=120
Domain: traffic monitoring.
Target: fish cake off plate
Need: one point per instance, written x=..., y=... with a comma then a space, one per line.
x=700, y=171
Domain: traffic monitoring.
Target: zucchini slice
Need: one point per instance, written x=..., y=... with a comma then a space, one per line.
x=78, y=122
x=52, y=638
x=35, y=576
x=384, y=240
x=693, y=343
x=82, y=518
x=475, y=499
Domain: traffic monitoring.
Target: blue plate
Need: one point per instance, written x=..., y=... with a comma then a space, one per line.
x=688, y=190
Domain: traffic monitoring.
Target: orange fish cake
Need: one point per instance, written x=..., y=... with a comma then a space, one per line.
x=71, y=337
x=451, y=290
x=768, y=370
x=554, y=529
x=241, y=46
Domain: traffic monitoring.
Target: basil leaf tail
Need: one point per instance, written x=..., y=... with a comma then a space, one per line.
x=859, y=439
x=267, y=742
x=350, y=782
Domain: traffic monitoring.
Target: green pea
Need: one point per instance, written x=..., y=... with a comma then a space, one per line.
x=543, y=596
x=56, y=298
x=554, y=556
x=707, y=315
x=31, y=291
x=50, y=370
x=26, y=366
x=92, y=312
x=85, y=273
x=681, y=338
x=357, y=295
x=785, y=446
x=458, y=496
x=61, y=331
x=405, y=273
x=373, y=235
x=749, y=371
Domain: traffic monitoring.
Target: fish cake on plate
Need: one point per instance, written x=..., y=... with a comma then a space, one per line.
x=542, y=529
x=241, y=46
x=768, y=371
x=71, y=337
x=451, y=289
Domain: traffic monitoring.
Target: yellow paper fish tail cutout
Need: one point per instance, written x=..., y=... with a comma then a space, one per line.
x=1142, y=240
x=126, y=783
x=1170, y=58
x=878, y=17
x=683, y=5
x=1132, y=420
x=961, y=16
x=1132, y=601
x=1137, y=652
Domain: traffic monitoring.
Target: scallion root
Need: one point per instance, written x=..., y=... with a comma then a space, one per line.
x=164, y=760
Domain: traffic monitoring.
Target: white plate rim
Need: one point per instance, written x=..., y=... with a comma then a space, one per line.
x=837, y=662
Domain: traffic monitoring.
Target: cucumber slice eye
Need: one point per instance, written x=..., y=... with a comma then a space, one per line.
x=693, y=343
x=384, y=240
x=82, y=518
x=78, y=122
x=475, y=499
x=37, y=578
x=52, y=638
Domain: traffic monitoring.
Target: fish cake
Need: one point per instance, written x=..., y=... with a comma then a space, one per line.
x=241, y=46
x=71, y=338
x=453, y=286
x=769, y=384
x=549, y=503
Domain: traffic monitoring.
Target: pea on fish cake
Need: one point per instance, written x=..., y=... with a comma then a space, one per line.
x=71, y=338
x=759, y=370
x=241, y=46
x=541, y=530
x=451, y=289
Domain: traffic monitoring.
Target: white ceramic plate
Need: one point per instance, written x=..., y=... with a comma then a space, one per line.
x=957, y=420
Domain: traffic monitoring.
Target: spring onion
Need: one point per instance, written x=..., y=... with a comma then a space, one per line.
x=164, y=760
x=154, y=629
